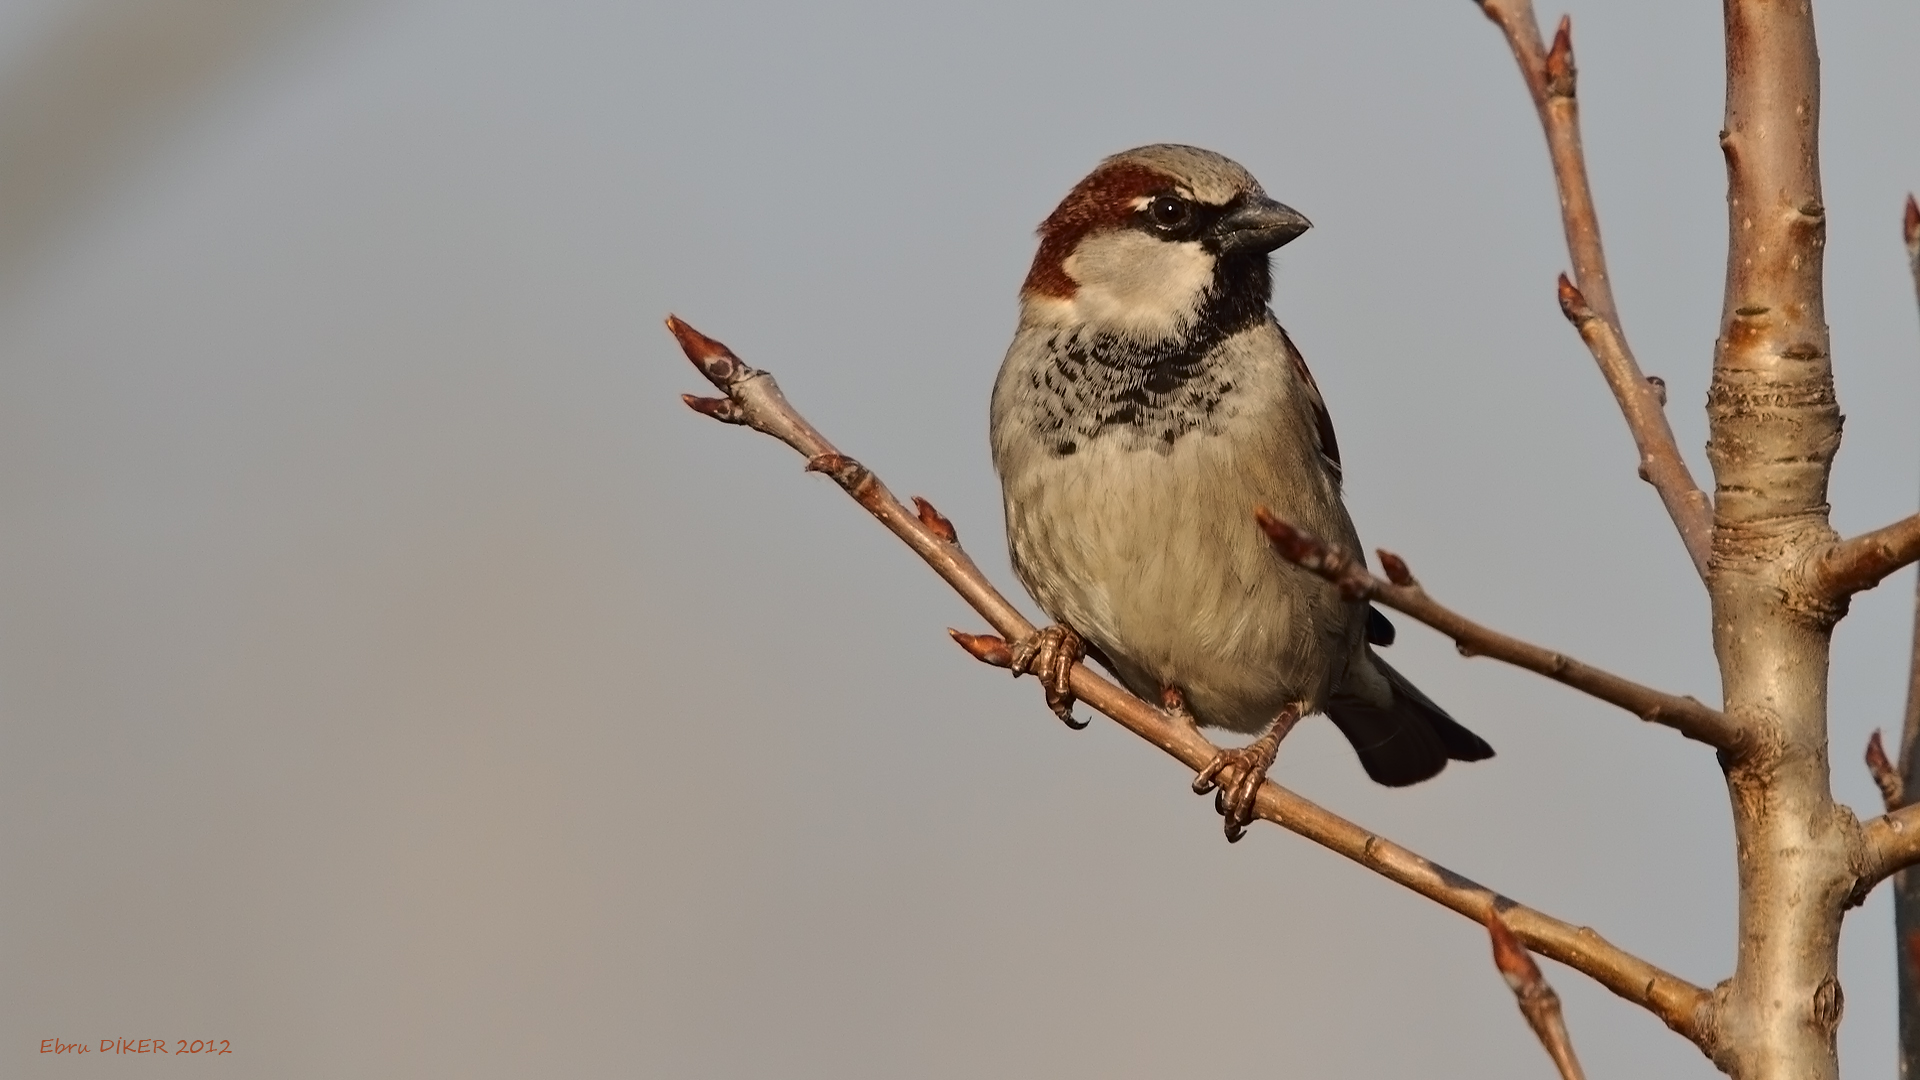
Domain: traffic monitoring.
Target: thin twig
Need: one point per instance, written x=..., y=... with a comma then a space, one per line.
x=758, y=404
x=1856, y=565
x=1893, y=841
x=1402, y=593
x=1643, y=400
x=1538, y=1003
x=1906, y=889
x=1550, y=78
x=1910, y=728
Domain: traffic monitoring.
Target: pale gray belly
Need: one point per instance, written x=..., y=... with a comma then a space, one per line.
x=1153, y=555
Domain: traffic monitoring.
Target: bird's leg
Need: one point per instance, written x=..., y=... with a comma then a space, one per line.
x=1239, y=773
x=1049, y=655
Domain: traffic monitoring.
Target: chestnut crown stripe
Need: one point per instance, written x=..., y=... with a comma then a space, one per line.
x=1105, y=199
x=1108, y=199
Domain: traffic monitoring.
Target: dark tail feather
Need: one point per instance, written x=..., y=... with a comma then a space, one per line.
x=1408, y=741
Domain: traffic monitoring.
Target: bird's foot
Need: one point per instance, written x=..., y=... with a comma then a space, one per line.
x=1049, y=655
x=1236, y=775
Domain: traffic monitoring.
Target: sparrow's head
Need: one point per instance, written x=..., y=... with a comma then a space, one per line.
x=1155, y=240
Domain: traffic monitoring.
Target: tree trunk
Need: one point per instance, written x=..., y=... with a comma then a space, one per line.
x=1775, y=426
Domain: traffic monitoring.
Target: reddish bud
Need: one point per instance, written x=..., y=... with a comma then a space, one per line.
x=1885, y=776
x=1559, y=63
x=1573, y=304
x=1910, y=227
x=1395, y=567
x=1293, y=545
x=1877, y=754
x=935, y=521
x=1515, y=964
x=714, y=360
x=985, y=648
x=1309, y=552
x=1659, y=386
x=721, y=409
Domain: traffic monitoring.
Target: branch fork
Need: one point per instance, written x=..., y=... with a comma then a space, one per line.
x=1402, y=593
x=1587, y=298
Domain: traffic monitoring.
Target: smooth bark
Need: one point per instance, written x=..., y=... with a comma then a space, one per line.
x=1775, y=426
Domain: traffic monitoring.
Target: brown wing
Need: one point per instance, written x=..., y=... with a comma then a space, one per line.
x=1323, y=423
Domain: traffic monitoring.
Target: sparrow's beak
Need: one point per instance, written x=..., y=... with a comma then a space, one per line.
x=1261, y=225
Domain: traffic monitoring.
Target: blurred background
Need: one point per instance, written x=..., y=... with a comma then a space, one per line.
x=397, y=680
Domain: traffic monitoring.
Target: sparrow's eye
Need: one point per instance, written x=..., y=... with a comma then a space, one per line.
x=1168, y=211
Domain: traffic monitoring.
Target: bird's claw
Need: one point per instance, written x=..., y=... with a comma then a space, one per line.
x=1049, y=655
x=1235, y=776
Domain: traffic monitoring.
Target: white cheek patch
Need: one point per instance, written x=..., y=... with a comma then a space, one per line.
x=1137, y=284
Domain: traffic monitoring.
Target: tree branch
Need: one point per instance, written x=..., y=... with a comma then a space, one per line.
x=754, y=400
x=1538, y=1003
x=1550, y=79
x=1892, y=844
x=1859, y=564
x=1402, y=593
x=1910, y=730
x=1906, y=887
x=1684, y=1007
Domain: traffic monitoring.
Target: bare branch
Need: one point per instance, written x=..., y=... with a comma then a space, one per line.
x=1402, y=593
x=1642, y=400
x=1550, y=78
x=1856, y=565
x=1684, y=1007
x=1538, y=1003
x=1885, y=776
x=1906, y=887
x=1892, y=844
x=756, y=402
x=1910, y=730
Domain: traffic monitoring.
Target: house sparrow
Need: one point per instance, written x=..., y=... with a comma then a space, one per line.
x=1149, y=403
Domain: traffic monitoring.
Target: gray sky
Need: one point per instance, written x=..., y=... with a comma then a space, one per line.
x=396, y=680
